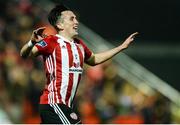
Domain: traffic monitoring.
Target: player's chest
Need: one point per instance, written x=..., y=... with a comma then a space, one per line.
x=72, y=52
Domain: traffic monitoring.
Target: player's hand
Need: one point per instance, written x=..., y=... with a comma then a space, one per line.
x=38, y=35
x=126, y=43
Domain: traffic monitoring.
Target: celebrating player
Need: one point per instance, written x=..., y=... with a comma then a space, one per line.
x=64, y=56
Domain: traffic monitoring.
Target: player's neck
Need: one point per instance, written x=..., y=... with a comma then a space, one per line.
x=66, y=36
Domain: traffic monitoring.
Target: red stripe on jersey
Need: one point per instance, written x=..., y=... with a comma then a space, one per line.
x=58, y=71
x=70, y=84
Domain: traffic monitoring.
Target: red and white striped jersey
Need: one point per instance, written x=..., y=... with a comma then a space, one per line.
x=63, y=63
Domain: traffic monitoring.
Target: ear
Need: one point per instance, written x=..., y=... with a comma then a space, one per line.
x=60, y=26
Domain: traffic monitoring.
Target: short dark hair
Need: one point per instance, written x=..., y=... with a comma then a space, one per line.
x=55, y=13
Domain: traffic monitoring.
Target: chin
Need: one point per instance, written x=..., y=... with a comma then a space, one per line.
x=75, y=34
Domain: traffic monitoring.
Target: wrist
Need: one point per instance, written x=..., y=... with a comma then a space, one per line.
x=121, y=48
x=30, y=43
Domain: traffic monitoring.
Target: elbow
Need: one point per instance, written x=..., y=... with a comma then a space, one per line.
x=24, y=56
x=92, y=64
x=21, y=54
x=92, y=61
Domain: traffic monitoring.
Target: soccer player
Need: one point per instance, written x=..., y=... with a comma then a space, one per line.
x=63, y=56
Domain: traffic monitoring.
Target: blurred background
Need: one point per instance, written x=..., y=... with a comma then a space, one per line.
x=140, y=85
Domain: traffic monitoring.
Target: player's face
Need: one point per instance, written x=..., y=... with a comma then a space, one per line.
x=69, y=23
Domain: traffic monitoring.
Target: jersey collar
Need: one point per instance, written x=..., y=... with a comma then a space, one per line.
x=63, y=38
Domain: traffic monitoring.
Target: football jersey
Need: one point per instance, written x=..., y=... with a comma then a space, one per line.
x=63, y=64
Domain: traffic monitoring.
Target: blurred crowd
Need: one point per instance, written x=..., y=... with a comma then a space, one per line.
x=102, y=97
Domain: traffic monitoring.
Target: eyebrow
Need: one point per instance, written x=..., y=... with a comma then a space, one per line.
x=73, y=16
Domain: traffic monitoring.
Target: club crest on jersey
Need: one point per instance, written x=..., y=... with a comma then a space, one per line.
x=42, y=43
x=76, y=65
x=81, y=47
x=74, y=116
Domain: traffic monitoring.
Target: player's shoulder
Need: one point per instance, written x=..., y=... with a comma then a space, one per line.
x=51, y=38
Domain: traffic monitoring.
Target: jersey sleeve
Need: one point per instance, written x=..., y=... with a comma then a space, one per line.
x=87, y=51
x=45, y=46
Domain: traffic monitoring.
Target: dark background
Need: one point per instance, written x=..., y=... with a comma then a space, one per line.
x=114, y=19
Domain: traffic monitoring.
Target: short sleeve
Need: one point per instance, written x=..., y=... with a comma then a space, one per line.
x=87, y=51
x=46, y=45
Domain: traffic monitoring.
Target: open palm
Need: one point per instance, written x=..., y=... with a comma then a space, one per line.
x=126, y=43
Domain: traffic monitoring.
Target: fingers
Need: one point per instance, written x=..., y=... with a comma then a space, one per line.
x=37, y=34
x=44, y=35
x=39, y=31
x=134, y=34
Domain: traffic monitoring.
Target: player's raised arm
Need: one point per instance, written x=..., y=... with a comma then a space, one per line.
x=29, y=49
x=103, y=56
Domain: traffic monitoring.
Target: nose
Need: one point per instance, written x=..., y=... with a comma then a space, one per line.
x=76, y=21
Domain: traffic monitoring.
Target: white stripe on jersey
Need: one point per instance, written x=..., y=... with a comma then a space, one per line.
x=54, y=58
x=65, y=70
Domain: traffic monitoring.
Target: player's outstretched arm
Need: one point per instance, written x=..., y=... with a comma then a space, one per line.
x=104, y=56
x=28, y=50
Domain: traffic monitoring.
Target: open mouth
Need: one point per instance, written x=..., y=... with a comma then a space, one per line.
x=75, y=28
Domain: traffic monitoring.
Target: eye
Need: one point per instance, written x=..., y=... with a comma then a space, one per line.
x=72, y=18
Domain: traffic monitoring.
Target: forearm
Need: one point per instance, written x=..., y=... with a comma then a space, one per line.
x=26, y=50
x=104, y=56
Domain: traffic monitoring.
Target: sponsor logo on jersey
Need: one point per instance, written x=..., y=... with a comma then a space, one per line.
x=42, y=43
x=75, y=70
